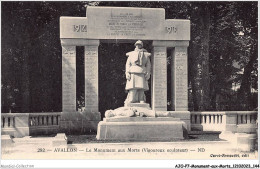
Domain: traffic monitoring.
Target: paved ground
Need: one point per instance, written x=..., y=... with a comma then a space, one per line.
x=86, y=147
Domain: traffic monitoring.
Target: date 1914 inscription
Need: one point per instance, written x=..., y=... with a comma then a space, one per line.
x=79, y=28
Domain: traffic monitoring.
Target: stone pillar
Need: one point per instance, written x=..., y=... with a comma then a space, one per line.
x=36, y=121
x=203, y=119
x=198, y=119
x=45, y=120
x=159, y=78
x=40, y=120
x=68, y=79
x=191, y=119
x=49, y=120
x=207, y=118
x=91, y=77
x=54, y=120
x=11, y=121
x=194, y=119
x=179, y=79
x=244, y=119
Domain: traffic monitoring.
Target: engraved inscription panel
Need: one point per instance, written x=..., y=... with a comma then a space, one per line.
x=68, y=78
x=126, y=24
x=91, y=78
x=181, y=79
x=159, y=79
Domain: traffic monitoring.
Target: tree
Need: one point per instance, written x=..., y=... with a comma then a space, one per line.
x=247, y=15
x=222, y=33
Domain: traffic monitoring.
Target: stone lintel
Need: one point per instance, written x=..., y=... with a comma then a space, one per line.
x=79, y=42
x=171, y=43
x=101, y=21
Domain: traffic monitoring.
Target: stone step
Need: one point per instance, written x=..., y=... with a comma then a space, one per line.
x=203, y=132
x=204, y=135
x=33, y=140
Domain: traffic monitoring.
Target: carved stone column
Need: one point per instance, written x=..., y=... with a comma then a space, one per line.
x=159, y=77
x=179, y=74
x=91, y=77
x=68, y=78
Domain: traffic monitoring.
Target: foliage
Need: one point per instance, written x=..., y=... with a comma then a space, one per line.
x=223, y=42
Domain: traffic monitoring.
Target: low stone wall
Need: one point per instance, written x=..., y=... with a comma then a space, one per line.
x=30, y=124
x=233, y=121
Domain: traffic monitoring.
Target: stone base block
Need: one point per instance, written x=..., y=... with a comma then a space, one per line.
x=196, y=127
x=246, y=128
x=8, y=131
x=60, y=140
x=246, y=142
x=231, y=127
x=21, y=132
x=44, y=130
x=228, y=135
x=141, y=130
x=183, y=115
x=144, y=105
x=78, y=127
x=6, y=141
x=85, y=115
x=79, y=122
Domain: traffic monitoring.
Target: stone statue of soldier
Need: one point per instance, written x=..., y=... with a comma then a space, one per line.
x=138, y=71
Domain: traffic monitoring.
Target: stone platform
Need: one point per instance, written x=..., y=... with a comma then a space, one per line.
x=141, y=128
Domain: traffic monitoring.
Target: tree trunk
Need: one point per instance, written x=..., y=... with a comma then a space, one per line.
x=25, y=88
x=245, y=88
x=200, y=61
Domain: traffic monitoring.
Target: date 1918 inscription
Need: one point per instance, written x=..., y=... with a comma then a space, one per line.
x=171, y=29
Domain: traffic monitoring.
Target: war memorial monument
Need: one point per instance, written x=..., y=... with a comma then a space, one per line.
x=136, y=120
x=127, y=25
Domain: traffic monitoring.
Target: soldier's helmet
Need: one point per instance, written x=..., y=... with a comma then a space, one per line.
x=139, y=42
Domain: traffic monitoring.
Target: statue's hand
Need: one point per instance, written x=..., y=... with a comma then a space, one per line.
x=128, y=76
x=147, y=76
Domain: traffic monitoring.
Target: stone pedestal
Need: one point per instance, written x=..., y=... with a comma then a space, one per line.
x=140, y=129
x=246, y=128
x=143, y=105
